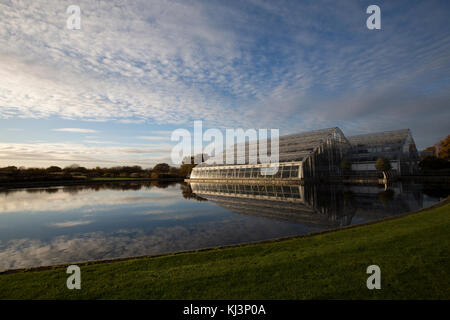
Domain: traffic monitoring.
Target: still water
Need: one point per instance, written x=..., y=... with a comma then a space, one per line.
x=45, y=226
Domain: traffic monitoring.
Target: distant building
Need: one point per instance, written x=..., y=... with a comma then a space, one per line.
x=398, y=146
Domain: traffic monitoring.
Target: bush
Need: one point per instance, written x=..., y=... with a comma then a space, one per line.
x=383, y=164
x=434, y=163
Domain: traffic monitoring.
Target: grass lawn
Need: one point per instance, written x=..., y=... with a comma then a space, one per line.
x=412, y=252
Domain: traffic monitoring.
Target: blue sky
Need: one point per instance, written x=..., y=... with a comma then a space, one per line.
x=111, y=93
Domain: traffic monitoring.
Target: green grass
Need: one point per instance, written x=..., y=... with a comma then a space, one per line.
x=412, y=252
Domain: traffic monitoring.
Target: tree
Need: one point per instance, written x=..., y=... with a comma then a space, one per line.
x=185, y=169
x=174, y=171
x=433, y=163
x=161, y=168
x=10, y=169
x=54, y=169
x=444, y=149
x=72, y=168
x=433, y=149
x=383, y=164
x=198, y=158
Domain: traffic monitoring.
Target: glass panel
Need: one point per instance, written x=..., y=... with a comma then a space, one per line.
x=278, y=174
x=286, y=171
x=295, y=192
x=279, y=191
x=294, y=172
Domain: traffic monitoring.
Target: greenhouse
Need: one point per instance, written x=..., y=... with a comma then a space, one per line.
x=397, y=146
x=303, y=156
x=314, y=155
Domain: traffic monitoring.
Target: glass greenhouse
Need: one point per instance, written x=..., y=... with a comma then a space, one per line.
x=398, y=146
x=302, y=156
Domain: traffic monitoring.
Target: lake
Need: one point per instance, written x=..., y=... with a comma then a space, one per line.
x=45, y=226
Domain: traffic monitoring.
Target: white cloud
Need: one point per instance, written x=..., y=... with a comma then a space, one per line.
x=45, y=154
x=173, y=62
x=131, y=242
x=78, y=130
x=153, y=138
x=69, y=224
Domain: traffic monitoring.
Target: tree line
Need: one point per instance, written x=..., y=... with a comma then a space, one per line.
x=74, y=171
x=437, y=158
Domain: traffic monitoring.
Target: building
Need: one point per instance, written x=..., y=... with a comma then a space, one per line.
x=398, y=146
x=304, y=156
x=315, y=155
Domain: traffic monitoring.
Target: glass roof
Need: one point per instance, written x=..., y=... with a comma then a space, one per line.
x=293, y=147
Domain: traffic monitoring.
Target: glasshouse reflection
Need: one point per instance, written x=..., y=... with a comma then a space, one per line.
x=326, y=205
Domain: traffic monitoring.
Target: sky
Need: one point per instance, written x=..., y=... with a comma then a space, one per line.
x=112, y=92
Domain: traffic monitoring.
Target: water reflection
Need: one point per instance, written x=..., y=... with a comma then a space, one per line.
x=324, y=205
x=80, y=196
x=309, y=205
x=43, y=226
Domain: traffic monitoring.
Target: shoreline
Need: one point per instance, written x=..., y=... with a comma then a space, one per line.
x=43, y=184
x=62, y=183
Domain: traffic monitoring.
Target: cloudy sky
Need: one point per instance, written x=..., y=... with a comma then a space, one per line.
x=112, y=92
